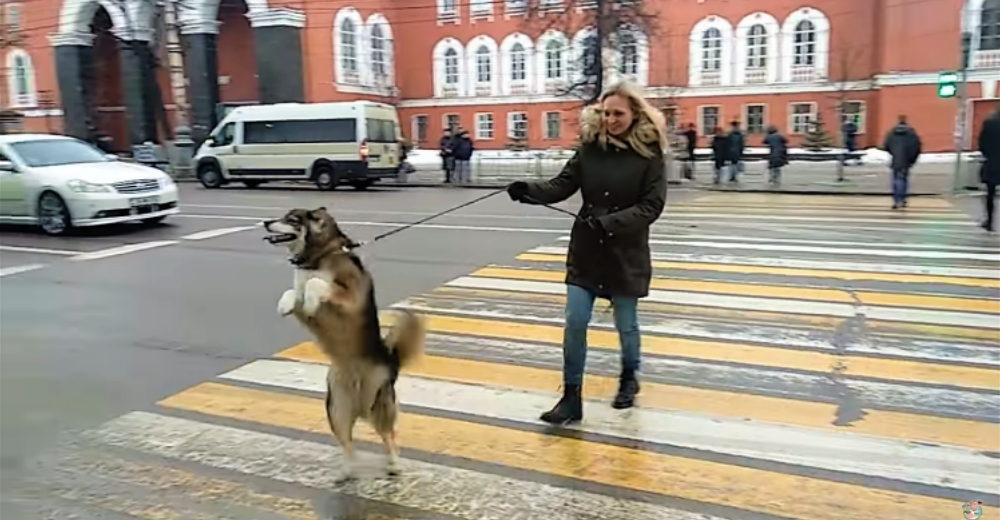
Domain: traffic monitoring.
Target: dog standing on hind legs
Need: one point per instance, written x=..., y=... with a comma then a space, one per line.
x=333, y=296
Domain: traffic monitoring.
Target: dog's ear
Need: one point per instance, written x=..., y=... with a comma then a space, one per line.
x=318, y=213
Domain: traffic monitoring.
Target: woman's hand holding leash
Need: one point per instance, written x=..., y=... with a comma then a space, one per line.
x=518, y=191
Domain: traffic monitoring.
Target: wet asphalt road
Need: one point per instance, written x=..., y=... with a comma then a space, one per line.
x=153, y=311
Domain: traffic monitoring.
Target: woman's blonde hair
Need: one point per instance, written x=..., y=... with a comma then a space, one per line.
x=648, y=126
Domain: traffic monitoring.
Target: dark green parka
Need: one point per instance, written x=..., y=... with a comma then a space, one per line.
x=623, y=190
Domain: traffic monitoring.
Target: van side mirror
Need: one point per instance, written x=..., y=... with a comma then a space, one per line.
x=210, y=140
x=111, y=157
x=7, y=166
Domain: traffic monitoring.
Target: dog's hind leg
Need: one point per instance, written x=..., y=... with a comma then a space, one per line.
x=392, y=449
x=384, y=414
x=341, y=418
x=316, y=292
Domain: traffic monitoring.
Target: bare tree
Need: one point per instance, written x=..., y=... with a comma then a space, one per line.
x=615, y=25
x=850, y=78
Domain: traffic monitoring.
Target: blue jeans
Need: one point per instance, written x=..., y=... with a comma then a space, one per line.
x=579, y=309
x=900, y=185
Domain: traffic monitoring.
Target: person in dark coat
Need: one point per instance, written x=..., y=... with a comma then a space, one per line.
x=447, y=156
x=619, y=171
x=462, y=149
x=777, y=155
x=737, y=145
x=850, y=131
x=989, y=173
x=903, y=144
x=720, y=153
x=691, y=137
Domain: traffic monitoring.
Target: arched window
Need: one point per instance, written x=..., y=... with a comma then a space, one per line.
x=518, y=63
x=589, y=58
x=484, y=69
x=451, y=67
x=804, y=49
x=22, y=78
x=554, y=60
x=349, y=46
x=989, y=26
x=757, y=47
x=711, y=50
x=379, y=66
x=629, y=54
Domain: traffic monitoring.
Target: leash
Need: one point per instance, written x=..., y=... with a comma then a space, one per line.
x=404, y=227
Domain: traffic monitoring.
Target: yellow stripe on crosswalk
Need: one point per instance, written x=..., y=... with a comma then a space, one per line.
x=907, y=330
x=893, y=370
x=993, y=283
x=768, y=492
x=895, y=425
x=771, y=291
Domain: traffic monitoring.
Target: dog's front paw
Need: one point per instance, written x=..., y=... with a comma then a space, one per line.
x=287, y=303
x=316, y=292
x=392, y=467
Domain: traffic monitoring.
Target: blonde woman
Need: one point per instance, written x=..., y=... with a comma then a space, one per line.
x=619, y=171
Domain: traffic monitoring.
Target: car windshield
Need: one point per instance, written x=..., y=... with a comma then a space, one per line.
x=57, y=152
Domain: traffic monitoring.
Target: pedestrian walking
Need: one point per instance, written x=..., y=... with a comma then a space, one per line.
x=903, y=144
x=720, y=153
x=777, y=155
x=691, y=137
x=619, y=170
x=447, y=157
x=462, y=148
x=737, y=145
x=989, y=172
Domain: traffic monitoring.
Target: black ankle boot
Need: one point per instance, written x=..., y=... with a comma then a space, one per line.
x=628, y=387
x=568, y=410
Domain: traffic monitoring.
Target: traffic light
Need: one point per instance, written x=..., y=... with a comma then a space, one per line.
x=947, y=86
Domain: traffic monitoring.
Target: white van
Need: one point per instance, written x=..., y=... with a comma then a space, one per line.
x=354, y=143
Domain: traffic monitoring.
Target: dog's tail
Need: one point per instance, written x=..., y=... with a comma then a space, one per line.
x=406, y=338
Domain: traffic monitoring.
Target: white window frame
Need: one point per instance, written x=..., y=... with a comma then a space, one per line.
x=415, y=127
x=712, y=63
x=444, y=120
x=481, y=134
x=15, y=99
x=701, y=119
x=862, y=113
x=511, y=124
x=746, y=116
x=545, y=129
x=792, y=116
x=448, y=14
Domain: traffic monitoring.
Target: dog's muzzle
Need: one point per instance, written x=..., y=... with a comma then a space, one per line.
x=280, y=238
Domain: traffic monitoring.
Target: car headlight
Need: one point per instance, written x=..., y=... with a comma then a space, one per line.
x=79, y=186
x=166, y=182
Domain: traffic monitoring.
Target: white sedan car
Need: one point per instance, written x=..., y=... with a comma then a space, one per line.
x=59, y=182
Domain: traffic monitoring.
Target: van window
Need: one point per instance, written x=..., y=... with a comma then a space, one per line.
x=225, y=135
x=300, y=132
x=381, y=130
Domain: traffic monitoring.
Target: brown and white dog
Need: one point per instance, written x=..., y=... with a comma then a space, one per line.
x=334, y=297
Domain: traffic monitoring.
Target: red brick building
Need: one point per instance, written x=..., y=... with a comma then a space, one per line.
x=497, y=66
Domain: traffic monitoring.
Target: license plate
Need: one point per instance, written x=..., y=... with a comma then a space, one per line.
x=143, y=201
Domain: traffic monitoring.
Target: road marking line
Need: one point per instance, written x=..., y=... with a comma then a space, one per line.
x=40, y=251
x=900, y=245
x=122, y=250
x=959, y=468
x=421, y=486
x=801, y=268
x=768, y=492
x=786, y=306
x=772, y=291
x=18, y=269
x=214, y=233
x=825, y=250
x=879, y=423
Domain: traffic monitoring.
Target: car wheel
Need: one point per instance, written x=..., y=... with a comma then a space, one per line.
x=210, y=176
x=53, y=215
x=326, y=178
x=154, y=220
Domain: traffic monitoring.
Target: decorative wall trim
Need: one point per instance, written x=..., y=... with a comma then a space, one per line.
x=200, y=27
x=278, y=17
x=898, y=79
x=78, y=39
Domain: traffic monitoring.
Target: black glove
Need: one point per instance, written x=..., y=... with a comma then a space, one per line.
x=517, y=191
x=593, y=223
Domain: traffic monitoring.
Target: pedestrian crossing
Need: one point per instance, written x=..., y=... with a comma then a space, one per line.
x=809, y=372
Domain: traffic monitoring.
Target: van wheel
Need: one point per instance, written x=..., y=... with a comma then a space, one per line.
x=210, y=176
x=326, y=178
x=362, y=185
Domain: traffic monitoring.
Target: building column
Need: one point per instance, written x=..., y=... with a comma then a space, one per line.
x=278, y=45
x=200, y=42
x=74, y=54
x=138, y=85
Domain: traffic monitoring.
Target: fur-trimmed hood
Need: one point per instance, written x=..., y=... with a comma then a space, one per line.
x=647, y=129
